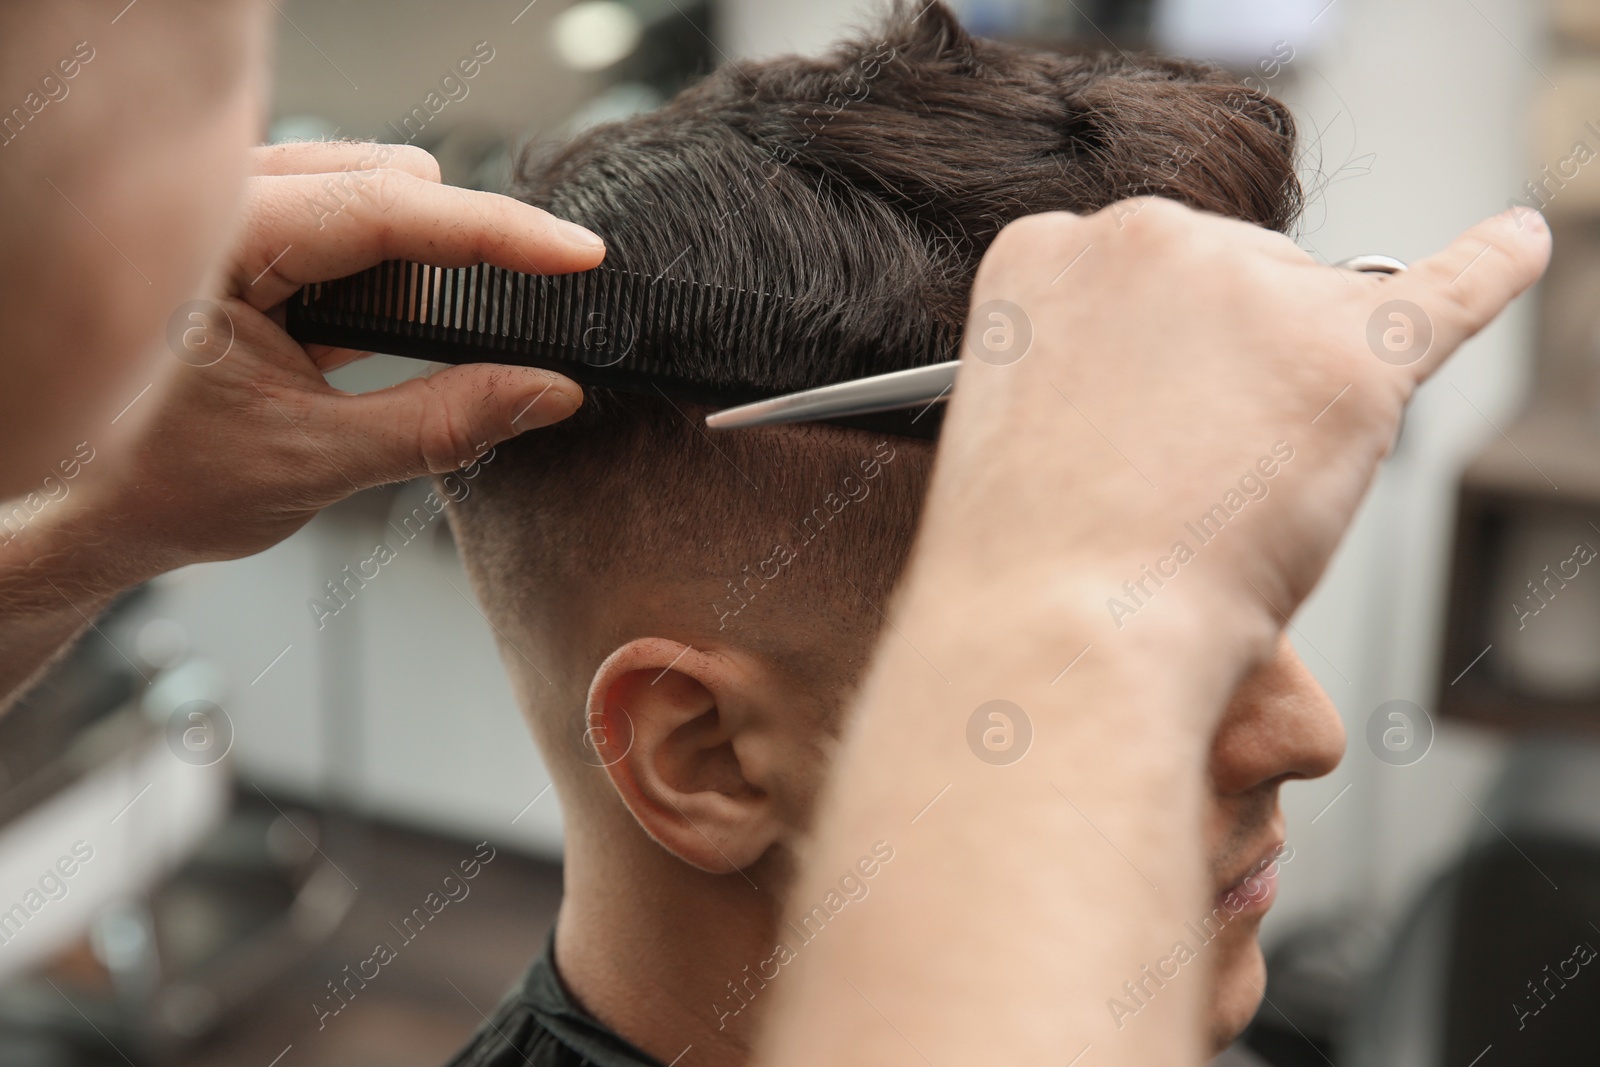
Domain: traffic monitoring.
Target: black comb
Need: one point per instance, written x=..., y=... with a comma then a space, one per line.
x=602, y=328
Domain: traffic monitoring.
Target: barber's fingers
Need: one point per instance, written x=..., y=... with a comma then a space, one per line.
x=1229, y=239
x=324, y=357
x=331, y=357
x=322, y=157
x=305, y=228
x=1461, y=289
x=436, y=424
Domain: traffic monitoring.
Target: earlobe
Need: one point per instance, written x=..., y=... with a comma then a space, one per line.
x=691, y=772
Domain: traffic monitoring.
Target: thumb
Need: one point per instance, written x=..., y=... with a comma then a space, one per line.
x=433, y=425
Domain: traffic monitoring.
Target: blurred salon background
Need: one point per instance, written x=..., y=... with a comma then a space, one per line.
x=256, y=791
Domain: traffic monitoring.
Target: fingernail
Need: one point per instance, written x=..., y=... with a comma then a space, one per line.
x=546, y=404
x=1528, y=218
x=578, y=235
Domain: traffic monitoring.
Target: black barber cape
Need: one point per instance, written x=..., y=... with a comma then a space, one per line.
x=540, y=1025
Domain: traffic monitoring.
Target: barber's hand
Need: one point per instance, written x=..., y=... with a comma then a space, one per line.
x=1172, y=351
x=243, y=451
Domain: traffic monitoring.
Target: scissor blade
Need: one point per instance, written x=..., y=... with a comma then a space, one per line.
x=882, y=392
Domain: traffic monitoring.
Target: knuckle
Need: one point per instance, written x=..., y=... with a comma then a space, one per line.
x=444, y=436
x=1027, y=232
x=415, y=160
x=1143, y=218
x=1025, y=241
x=1453, y=304
x=387, y=188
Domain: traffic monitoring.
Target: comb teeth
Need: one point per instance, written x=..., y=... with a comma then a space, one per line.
x=609, y=328
x=605, y=327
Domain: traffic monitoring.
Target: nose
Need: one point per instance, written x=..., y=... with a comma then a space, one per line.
x=1280, y=724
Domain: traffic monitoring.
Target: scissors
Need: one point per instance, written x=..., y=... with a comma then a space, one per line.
x=901, y=389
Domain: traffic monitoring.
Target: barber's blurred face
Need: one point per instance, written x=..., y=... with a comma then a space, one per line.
x=125, y=130
x=1280, y=725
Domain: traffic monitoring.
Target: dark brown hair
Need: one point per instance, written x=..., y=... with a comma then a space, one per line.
x=866, y=185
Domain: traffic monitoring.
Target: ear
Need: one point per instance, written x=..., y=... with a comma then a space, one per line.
x=682, y=734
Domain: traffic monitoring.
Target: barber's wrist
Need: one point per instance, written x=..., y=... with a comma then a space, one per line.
x=75, y=555
x=1034, y=623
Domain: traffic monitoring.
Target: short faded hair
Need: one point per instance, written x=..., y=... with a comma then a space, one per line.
x=865, y=185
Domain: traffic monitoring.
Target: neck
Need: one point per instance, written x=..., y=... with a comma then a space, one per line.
x=665, y=955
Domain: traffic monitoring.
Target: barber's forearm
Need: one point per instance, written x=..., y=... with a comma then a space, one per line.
x=56, y=576
x=1020, y=896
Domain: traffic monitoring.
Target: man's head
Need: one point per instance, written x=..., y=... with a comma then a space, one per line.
x=685, y=615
